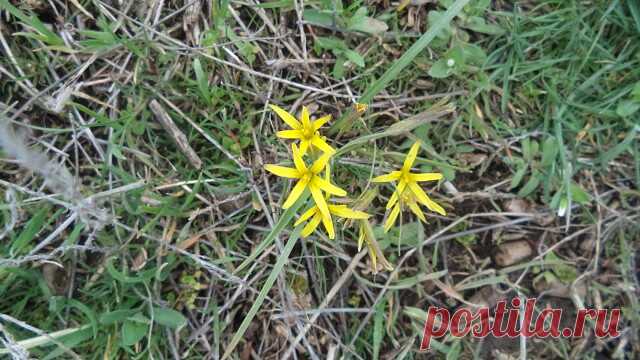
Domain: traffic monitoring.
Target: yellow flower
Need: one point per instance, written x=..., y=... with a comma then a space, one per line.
x=304, y=130
x=307, y=178
x=409, y=199
x=409, y=181
x=316, y=217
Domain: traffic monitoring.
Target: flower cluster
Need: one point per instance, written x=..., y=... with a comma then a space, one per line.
x=307, y=132
x=313, y=146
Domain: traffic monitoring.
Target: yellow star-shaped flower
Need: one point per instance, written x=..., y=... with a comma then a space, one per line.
x=409, y=181
x=316, y=217
x=307, y=178
x=406, y=198
x=304, y=130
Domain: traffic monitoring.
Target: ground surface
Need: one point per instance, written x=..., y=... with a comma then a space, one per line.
x=118, y=242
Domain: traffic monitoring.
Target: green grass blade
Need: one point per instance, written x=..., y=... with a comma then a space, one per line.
x=282, y=260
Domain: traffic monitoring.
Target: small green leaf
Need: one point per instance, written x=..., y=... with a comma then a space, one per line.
x=115, y=316
x=627, y=108
x=169, y=317
x=473, y=54
x=330, y=43
x=366, y=24
x=354, y=57
x=319, y=18
x=203, y=82
x=519, y=175
x=132, y=332
x=440, y=69
x=549, y=151
x=478, y=24
x=578, y=194
x=530, y=186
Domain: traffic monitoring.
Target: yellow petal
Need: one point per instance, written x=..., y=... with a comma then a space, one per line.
x=286, y=117
x=306, y=215
x=392, y=176
x=306, y=123
x=426, y=177
x=361, y=237
x=319, y=122
x=282, y=171
x=295, y=194
x=311, y=225
x=319, y=164
x=344, y=212
x=393, y=215
x=328, y=225
x=328, y=187
x=304, y=146
x=424, y=199
x=297, y=159
x=321, y=203
x=411, y=157
x=289, y=134
x=396, y=194
x=415, y=208
x=319, y=142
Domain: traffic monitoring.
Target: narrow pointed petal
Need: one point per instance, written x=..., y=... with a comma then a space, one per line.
x=286, y=117
x=425, y=200
x=411, y=156
x=396, y=194
x=426, y=177
x=393, y=215
x=392, y=176
x=321, y=203
x=344, y=212
x=295, y=194
x=328, y=225
x=283, y=171
x=319, y=164
x=297, y=159
x=311, y=225
x=306, y=215
x=319, y=122
x=328, y=187
x=304, y=147
x=289, y=134
x=415, y=208
x=319, y=142
x=306, y=122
